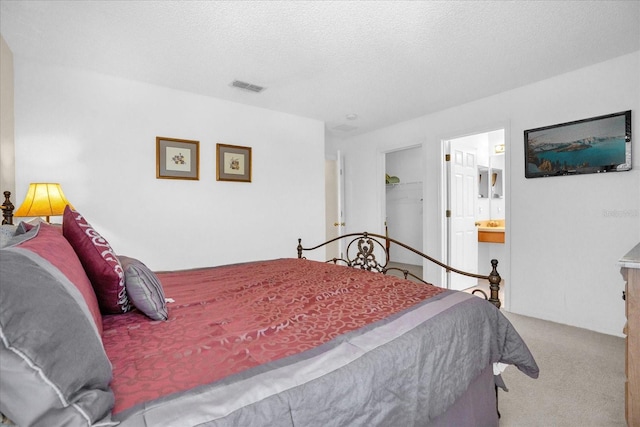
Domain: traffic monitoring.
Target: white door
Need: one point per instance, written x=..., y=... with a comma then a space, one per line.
x=334, y=206
x=463, y=234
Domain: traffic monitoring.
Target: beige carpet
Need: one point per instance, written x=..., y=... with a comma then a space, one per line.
x=581, y=379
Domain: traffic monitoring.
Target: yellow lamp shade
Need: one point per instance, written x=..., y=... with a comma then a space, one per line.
x=43, y=199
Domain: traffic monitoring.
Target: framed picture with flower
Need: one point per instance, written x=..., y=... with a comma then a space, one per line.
x=233, y=163
x=177, y=158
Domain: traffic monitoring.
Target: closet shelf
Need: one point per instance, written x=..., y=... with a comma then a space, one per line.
x=402, y=184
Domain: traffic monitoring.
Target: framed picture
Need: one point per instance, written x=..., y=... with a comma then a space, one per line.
x=233, y=163
x=595, y=145
x=177, y=158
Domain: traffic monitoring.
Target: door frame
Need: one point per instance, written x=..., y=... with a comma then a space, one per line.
x=504, y=267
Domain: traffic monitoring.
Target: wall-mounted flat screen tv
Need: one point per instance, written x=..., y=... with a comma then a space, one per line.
x=595, y=145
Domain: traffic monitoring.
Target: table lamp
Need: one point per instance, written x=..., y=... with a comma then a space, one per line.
x=43, y=199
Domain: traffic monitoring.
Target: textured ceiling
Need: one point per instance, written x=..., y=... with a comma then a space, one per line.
x=384, y=61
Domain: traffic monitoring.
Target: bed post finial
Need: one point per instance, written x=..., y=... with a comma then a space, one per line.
x=299, y=248
x=494, y=284
x=7, y=209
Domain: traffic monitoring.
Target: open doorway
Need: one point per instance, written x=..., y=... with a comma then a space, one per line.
x=475, y=198
x=404, y=170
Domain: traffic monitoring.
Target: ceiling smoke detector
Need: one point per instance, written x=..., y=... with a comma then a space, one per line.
x=247, y=86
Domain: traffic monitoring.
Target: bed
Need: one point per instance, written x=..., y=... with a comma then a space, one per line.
x=92, y=337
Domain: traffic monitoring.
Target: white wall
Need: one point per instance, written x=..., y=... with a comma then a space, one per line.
x=564, y=234
x=95, y=134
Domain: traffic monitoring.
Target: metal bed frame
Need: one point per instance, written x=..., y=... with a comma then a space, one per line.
x=361, y=252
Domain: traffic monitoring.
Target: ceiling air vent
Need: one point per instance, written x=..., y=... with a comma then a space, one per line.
x=247, y=86
x=345, y=128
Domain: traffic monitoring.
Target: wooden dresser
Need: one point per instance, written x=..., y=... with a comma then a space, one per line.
x=630, y=269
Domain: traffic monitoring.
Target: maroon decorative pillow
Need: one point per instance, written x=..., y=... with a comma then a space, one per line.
x=99, y=261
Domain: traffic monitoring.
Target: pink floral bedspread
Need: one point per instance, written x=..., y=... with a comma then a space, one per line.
x=228, y=319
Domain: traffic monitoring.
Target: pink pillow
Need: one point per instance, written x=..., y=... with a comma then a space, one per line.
x=99, y=261
x=50, y=245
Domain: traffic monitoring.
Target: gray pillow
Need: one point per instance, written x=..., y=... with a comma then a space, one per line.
x=143, y=288
x=7, y=231
x=54, y=368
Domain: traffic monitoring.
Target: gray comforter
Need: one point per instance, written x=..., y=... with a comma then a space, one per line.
x=404, y=371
